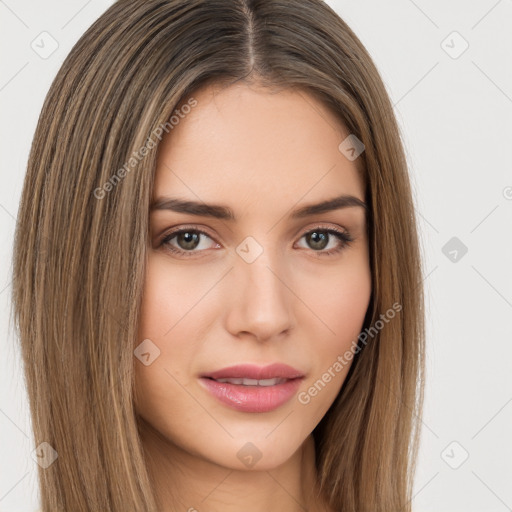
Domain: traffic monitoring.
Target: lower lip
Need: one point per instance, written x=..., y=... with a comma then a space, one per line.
x=252, y=398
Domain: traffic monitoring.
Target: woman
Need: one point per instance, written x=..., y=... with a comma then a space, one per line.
x=217, y=279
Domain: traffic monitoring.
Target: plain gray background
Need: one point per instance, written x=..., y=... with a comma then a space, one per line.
x=448, y=69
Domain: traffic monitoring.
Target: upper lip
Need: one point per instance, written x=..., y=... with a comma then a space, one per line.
x=251, y=371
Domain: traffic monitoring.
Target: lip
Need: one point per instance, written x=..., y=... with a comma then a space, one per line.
x=251, y=371
x=253, y=398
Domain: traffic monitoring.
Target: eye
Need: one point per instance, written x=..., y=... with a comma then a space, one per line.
x=187, y=240
x=320, y=238
x=190, y=241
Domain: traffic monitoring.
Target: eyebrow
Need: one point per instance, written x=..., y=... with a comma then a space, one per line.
x=225, y=213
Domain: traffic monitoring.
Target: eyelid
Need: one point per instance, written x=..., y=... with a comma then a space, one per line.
x=191, y=227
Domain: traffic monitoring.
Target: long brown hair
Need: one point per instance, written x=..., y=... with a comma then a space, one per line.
x=82, y=233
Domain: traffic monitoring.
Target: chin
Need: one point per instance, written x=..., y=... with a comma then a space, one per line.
x=258, y=452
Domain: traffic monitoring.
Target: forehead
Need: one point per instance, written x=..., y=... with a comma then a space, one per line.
x=248, y=144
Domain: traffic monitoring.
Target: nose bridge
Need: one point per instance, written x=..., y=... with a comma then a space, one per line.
x=261, y=302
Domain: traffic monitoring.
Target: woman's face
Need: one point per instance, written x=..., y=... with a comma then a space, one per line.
x=253, y=279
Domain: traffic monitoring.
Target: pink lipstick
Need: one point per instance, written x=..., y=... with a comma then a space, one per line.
x=251, y=388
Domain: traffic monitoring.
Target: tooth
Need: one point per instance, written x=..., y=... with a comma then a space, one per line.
x=267, y=382
x=231, y=381
x=250, y=382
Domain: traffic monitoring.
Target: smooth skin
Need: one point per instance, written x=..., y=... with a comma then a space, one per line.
x=263, y=154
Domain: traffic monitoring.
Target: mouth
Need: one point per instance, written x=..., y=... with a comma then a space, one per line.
x=249, y=388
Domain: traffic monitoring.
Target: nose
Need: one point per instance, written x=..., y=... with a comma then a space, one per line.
x=261, y=300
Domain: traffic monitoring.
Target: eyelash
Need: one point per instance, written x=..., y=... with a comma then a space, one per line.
x=342, y=236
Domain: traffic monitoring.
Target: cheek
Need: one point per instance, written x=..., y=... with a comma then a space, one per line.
x=167, y=312
x=338, y=309
x=171, y=296
x=338, y=298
